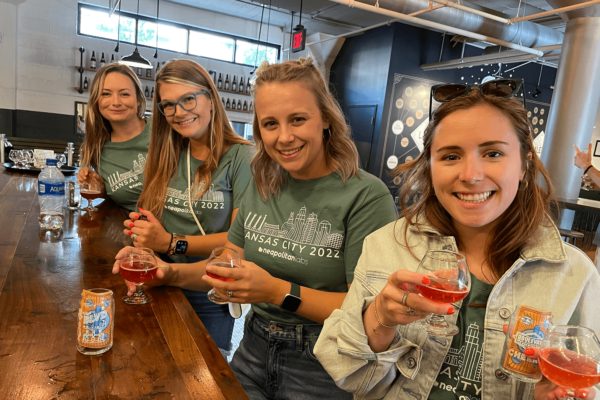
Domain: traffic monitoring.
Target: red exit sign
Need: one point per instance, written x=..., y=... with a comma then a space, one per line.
x=299, y=41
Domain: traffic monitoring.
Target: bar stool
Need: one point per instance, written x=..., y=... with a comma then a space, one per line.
x=570, y=236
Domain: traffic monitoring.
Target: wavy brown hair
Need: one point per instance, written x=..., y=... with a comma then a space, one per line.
x=517, y=224
x=97, y=128
x=340, y=152
x=166, y=144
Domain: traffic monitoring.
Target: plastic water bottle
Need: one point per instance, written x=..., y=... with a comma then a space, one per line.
x=51, y=191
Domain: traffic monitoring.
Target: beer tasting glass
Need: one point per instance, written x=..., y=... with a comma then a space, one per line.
x=138, y=266
x=570, y=357
x=14, y=156
x=89, y=191
x=222, y=257
x=60, y=160
x=27, y=158
x=450, y=281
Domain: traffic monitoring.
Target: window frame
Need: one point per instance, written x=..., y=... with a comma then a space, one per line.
x=189, y=28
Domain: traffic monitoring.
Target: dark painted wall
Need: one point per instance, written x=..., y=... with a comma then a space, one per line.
x=355, y=74
x=359, y=74
x=38, y=125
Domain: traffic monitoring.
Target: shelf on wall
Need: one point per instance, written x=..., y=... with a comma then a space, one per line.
x=94, y=70
x=233, y=92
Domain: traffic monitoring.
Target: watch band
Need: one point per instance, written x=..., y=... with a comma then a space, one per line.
x=292, y=300
x=295, y=290
x=171, y=250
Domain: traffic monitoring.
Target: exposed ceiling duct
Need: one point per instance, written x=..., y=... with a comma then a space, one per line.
x=525, y=33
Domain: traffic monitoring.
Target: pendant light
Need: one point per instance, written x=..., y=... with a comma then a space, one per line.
x=157, y=10
x=258, y=41
x=135, y=59
x=118, y=28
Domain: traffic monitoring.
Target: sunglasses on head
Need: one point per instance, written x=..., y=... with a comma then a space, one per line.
x=449, y=91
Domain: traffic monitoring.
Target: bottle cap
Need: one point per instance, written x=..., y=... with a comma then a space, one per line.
x=50, y=161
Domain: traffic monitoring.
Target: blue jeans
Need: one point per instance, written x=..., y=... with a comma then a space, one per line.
x=276, y=361
x=215, y=317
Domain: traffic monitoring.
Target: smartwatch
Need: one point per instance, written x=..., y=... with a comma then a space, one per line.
x=292, y=300
x=178, y=245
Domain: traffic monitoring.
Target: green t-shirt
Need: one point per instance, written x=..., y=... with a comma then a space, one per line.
x=313, y=233
x=460, y=376
x=214, y=208
x=122, y=168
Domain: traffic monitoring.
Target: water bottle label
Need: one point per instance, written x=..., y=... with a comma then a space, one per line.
x=51, y=189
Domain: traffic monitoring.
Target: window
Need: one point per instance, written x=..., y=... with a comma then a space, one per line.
x=211, y=46
x=245, y=53
x=141, y=30
x=96, y=23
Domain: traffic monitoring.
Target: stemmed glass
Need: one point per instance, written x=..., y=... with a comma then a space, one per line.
x=450, y=281
x=14, y=157
x=27, y=158
x=570, y=357
x=138, y=266
x=90, y=191
x=587, y=182
x=60, y=160
x=222, y=257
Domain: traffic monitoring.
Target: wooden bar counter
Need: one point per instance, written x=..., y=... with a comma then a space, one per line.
x=161, y=350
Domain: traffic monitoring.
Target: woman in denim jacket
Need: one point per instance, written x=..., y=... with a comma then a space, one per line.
x=474, y=191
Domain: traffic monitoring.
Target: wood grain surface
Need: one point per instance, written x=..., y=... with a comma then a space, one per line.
x=161, y=350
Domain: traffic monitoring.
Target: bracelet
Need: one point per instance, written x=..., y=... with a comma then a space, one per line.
x=587, y=169
x=377, y=317
x=170, y=244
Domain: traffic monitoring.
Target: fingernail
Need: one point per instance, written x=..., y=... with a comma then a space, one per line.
x=529, y=351
x=141, y=208
x=451, y=310
x=583, y=395
x=130, y=233
x=425, y=280
x=136, y=217
x=131, y=225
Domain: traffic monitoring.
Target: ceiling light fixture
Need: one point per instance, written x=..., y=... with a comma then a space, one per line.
x=135, y=59
x=258, y=41
x=157, y=10
x=537, y=88
x=118, y=28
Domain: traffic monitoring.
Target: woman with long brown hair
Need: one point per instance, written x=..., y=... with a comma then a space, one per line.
x=299, y=233
x=196, y=173
x=476, y=192
x=116, y=141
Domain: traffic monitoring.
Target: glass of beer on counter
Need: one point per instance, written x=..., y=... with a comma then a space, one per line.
x=138, y=266
x=90, y=191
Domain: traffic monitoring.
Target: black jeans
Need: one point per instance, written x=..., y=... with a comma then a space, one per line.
x=276, y=361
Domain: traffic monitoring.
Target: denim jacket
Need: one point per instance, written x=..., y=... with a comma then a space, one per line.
x=549, y=275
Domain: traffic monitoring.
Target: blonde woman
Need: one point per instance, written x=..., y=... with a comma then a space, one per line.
x=197, y=171
x=299, y=230
x=117, y=136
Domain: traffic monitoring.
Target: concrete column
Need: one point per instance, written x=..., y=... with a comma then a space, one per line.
x=574, y=104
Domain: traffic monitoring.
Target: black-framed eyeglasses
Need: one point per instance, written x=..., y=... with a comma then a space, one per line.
x=498, y=87
x=187, y=102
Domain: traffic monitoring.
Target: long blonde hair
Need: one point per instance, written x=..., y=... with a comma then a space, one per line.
x=166, y=145
x=529, y=209
x=98, y=128
x=340, y=152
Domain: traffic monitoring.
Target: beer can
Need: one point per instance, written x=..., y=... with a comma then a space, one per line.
x=527, y=328
x=96, y=321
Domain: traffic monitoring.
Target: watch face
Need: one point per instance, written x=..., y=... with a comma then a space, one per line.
x=291, y=303
x=181, y=247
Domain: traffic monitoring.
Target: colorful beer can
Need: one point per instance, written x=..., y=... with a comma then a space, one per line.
x=96, y=321
x=527, y=328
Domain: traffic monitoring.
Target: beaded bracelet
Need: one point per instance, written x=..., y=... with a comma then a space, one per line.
x=377, y=317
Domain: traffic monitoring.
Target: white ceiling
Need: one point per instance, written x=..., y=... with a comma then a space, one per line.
x=335, y=19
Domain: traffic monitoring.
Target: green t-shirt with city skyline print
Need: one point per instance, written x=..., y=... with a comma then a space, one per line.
x=122, y=168
x=460, y=375
x=312, y=233
x=215, y=207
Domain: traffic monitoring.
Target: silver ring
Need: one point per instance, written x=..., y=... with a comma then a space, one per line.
x=134, y=237
x=166, y=268
x=230, y=293
x=403, y=301
x=411, y=311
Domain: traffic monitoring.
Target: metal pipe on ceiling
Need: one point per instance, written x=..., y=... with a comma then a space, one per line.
x=555, y=11
x=435, y=25
x=472, y=11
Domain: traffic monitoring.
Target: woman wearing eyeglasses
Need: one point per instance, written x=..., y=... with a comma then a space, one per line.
x=196, y=173
x=477, y=194
x=117, y=136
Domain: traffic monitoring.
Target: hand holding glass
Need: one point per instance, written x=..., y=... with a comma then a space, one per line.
x=570, y=357
x=138, y=266
x=222, y=257
x=450, y=281
x=90, y=191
